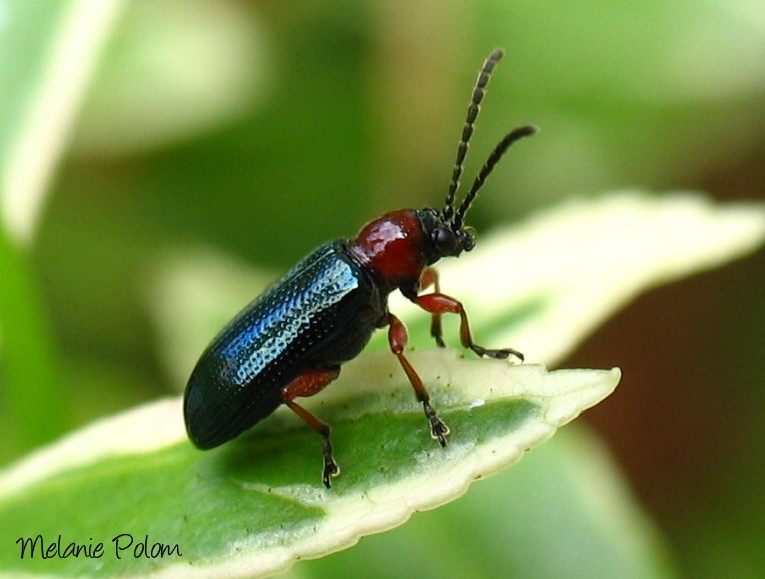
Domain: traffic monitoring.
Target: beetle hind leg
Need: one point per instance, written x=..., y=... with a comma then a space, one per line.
x=305, y=385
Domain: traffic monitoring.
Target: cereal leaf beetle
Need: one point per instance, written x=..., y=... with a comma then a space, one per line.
x=291, y=341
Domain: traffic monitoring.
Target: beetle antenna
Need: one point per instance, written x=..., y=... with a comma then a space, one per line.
x=467, y=131
x=488, y=167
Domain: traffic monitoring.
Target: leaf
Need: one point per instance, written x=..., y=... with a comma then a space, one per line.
x=257, y=504
x=563, y=511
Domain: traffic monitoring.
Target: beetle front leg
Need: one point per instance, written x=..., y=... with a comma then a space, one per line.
x=443, y=304
x=397, y=338
x=305, y=385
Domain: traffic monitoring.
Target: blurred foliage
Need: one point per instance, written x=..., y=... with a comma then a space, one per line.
x=264, y=128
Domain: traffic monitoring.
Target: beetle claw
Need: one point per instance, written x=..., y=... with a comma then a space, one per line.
x=331, y=468
x=438, y=429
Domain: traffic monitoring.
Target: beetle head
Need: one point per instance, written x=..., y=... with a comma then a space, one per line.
x=441, y=238
x=398, y=245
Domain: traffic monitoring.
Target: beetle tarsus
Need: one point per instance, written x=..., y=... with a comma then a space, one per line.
x=438, y=429
x=499, y=354
x=331, y=469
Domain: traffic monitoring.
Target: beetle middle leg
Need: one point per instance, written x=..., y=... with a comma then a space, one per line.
x=305, y=385
x=397, y=338
x=429, y=278
x=438, y=303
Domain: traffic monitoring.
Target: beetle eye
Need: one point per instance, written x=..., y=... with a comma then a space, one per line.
x=468, y=240
x=445, y=241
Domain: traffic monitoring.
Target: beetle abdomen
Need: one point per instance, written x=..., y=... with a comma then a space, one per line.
x=320, y=314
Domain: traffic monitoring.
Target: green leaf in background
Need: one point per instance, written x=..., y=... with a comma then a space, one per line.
x=183, y=67
x=255, y=506
x=32, y=406
x=47, y=52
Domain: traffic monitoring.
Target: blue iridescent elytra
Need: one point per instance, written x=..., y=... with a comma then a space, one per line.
x=299, y=324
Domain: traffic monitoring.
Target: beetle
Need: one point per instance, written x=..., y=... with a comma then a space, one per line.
x=291, y=341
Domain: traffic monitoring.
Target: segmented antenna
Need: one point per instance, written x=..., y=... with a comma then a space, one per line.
x=467, y=131
x=487, y=168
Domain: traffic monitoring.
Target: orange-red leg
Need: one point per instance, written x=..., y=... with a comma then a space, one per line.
x=306, y=385
x=429, y=278
x=397, y=338
x=438, y=303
